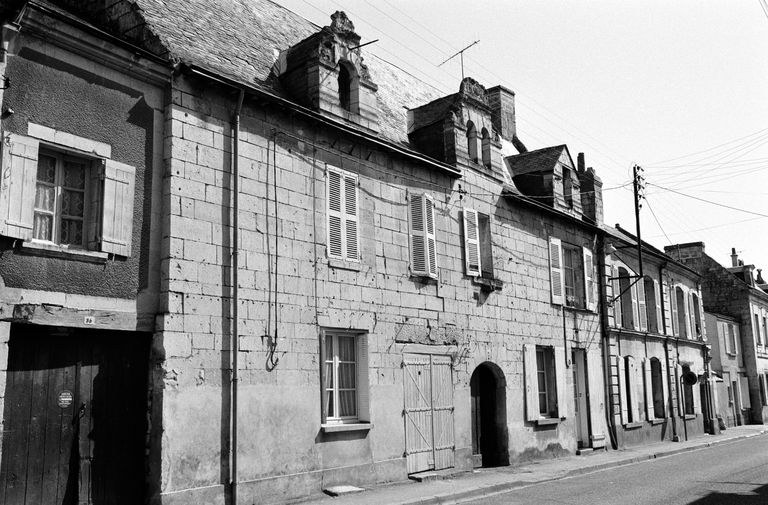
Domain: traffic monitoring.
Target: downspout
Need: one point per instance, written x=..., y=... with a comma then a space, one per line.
x=675, y=437
x=235, y=294
x=604, y=324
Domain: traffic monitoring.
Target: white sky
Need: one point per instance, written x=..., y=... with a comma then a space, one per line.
x=676, y=87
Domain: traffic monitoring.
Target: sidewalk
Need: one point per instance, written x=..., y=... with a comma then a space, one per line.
x=487, y=481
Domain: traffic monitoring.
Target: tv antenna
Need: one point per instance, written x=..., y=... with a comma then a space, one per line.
x=461, y=54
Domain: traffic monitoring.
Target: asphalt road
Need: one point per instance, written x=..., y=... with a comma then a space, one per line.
x=726, y=474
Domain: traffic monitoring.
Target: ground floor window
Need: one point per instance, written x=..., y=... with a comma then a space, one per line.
x=344, y=376
x=688, y=392
x=657, y=386
x=545, y=374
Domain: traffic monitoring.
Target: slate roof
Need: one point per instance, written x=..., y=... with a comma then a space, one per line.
x=540, y=160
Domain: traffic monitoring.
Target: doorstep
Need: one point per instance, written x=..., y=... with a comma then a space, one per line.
x=431, y=475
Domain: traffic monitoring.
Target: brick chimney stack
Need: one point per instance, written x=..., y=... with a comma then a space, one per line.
x=591, y=192
x=734, y=257
x=502, y=102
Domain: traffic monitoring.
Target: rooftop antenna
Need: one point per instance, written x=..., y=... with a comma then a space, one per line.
x=459, y=53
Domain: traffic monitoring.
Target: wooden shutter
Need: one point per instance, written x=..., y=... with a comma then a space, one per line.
x=117, y=216
x=636, y=389
x=680, y=390
x=665, y=386
x=323, y=405
x=667, y=304
x=595, y=377
x=562, y=391
x=556, y=270
x=673, y=304
x=531, y=383
x=641, y=306
x=342, y=210
x=622, y=390
x=691, y=317
x=659, y=322
x=17, y=186
x=617, y=315
x=471, y=242
x=351, y=233
x=429, y=214
x=696, y=392
x=649, y=409
x=335, y=220
x=363, y=385
x=589, y=280
x=419, y=263
x=635, y=307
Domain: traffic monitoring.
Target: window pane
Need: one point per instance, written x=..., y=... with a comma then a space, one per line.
x=74, y=175
x=46, y=169
x=346, y=375
x=347, y=348
x=72, y=203
x=45, y=197
x=347, y=403
x=71, y=231
x=43, y=226
x=328, y=390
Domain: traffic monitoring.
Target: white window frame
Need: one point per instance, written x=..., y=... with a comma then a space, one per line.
x=349, y=247
x=555, y=358
x=362, y=398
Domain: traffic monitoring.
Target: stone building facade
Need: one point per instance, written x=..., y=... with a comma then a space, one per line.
x=740, y=293
x=731, y=387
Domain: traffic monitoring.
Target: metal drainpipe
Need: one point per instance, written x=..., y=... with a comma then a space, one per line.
x=604, y=324
x=235, y=294
x=666, y=349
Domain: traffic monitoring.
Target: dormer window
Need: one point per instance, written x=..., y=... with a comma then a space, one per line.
x=348, y=87
x=472, y=140
x=486, y=146
x=568, y=186
x=344, y=86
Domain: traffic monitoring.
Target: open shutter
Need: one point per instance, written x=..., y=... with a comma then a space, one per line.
x=17, y=186
x=531, y=383
x=333, y=208
x=556, y=269
x=418, y=236
x=595, y=388
x=667, y=304
x=617, y=316
x=649, y=411
x=363, y=386
x=471, y=242
x=691, y=317
x=351, y=239
x=696, y=392
x=673, y=304
x=665, y=388
x=680, y=390
x=323, y=379
x=589, y=280
x=636, y=389
x=622, y=390
x=429, y=214
x=117, y=216
x=641, y=306
x=659, y=322
x=635, y=305
x=562, y=391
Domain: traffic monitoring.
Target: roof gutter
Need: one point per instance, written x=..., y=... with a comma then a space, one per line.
x=310, y=114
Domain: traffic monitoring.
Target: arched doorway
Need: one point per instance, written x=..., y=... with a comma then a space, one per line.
x=489, y=415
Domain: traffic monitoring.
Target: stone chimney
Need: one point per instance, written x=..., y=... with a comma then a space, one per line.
x=734, y=257
x=591, y=192
x=502, y=102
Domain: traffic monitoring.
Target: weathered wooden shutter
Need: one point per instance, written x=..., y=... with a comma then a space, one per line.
x=696, y=392
x=556, y=270
x=333, y=208
x=649, y=408
x=442, y=411
x=562, y=391
x=623, y=406
x=419, y=439
x=429, y=214
x=636, y=388
x=617, y=315
x=590, y=290
x=635, y=305
x=363, y=385
x=667, y=304
x=680, y=390
x=17, y=186
x=659, y=322
x=351, y=238
x=419, y=263
x=531, y=383
x=673, y=303
x=471, y=242
x=342, y=210
x=641, y=305
x=596, y=415
x=117, y=216
x=665, y=387
x=691, y=317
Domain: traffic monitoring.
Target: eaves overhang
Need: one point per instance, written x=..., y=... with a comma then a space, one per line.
x=512, y=194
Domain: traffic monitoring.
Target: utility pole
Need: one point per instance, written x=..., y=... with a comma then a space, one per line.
x=461, y=54
x=638, y=182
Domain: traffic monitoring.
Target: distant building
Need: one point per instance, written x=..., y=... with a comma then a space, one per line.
x=731, y=398
x=738, y=293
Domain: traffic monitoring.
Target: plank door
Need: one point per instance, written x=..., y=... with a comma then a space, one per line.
x=429, y=440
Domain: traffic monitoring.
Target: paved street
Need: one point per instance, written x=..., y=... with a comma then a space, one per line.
x=732, y=473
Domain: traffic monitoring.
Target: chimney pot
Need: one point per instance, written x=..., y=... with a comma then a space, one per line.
x=734, y=257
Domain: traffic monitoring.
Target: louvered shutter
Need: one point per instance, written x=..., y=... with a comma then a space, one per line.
x=363, y=385
x=117, y=215
x=659, y=322
x=641, y=306
x=590, y=290
x=665, y=387
x=531, y=383
x=622, y=390
x=562, y=392
x=635, y=388
x=471, y=243
x=17, y=186
x=667, y=304
x=418, y=236
x=333, y=207
x=691, y=317
x=616, y=298
x=635, y=307
x=649, y=410
x=556, y=269
x=429, y=214
x=351, y=238
x=673, y=303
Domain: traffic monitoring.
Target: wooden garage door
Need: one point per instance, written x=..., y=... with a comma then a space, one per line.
x=429, y=440
x=75, y=418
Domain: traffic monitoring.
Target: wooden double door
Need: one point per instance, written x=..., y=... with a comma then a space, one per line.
x=75, y=417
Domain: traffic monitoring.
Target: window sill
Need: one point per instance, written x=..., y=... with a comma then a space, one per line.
x=547, y=421
x=487, y=284
x=56, y=251
x=424, y=279
x=344, y=265
x=658, y=420
x=337, y=428
x=578, y=309
x=633, y=426
x=688, y=417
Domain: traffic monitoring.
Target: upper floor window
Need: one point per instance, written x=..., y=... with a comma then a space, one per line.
x=342, y=211
x=758, y=336
x=695, y=316
x=680, y=313
x=572, y=275
x=54, y=193
x=626, y=299
x=477, y=244
x=652, y=304
x=486, y=148
x=731, y=340
x=568, y=186
x=472, y=140
x=421, y=223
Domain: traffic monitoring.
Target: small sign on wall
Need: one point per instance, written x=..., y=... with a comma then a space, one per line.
x=65, y=399
x=89, y=320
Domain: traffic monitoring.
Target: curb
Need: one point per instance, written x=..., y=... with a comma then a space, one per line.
x=486, y=491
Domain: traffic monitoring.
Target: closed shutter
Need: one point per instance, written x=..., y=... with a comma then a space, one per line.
x=351, y=239
x=556, y=269
x=342, y=210
x=642, y=309
x=562, y=391
x=622, y=390
x=117, y=216
x=17, y=189
x=418, y=236
x=659, y=322
x=649, y=409
x=635, y=305
x=363, y=385
x=531, y=383
x=589, y=280
x=335, y=221
x=471, y=242
x=696, y=392
x=635, y=388
x=429, y=214
x=595, y=375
